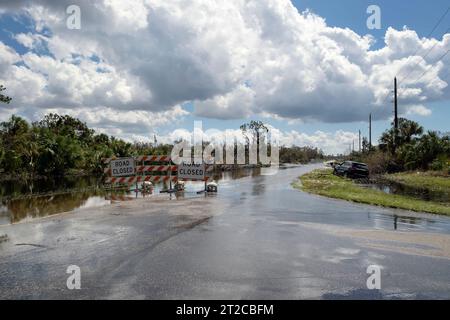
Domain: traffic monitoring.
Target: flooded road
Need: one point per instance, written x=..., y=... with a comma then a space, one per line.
x=24, y=201
x=258, y=238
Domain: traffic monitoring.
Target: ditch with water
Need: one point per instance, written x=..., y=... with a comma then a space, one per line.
x=391, y=187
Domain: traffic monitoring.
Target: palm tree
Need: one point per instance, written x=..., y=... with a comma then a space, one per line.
x=408, y=130
x=387, y=141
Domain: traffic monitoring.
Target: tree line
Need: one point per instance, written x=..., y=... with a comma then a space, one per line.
x=61, y=145
x=407, y=148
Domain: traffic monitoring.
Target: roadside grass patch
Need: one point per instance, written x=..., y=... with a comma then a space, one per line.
x=323, y=182
x=434, y=181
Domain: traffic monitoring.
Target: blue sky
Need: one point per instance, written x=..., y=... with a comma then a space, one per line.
x=417, y=15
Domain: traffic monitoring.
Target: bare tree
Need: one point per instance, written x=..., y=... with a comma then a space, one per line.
x=257, y=129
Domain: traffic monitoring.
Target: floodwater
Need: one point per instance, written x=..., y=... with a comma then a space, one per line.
x=75, y=194
x=390, y=187
x=257, y=238
x=21, y=201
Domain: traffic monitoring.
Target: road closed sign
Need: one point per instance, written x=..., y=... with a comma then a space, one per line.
x=191, y=171
x=122, y=167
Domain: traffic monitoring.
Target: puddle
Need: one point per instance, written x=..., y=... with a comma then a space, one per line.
x=400, y=189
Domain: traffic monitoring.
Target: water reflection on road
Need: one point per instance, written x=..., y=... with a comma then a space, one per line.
x=248, y=191
x=13, y=211
x=45, y=198
x=267, y=195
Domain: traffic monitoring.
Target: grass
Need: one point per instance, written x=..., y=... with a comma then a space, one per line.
x=433, y=181
x=323, y=182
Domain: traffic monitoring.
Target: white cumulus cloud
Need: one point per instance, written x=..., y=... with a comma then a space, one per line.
x=231, y=59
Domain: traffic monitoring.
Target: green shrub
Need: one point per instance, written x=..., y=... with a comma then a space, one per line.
x=441, y=163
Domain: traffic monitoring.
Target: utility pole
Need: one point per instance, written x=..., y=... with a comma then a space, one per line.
x=370, y=131
x=395, y=105
x=395, y=114
x=359, y=141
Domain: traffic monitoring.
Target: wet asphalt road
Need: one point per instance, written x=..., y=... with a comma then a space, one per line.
x=258, y=238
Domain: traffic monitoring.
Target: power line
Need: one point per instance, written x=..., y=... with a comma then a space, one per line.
x=420, y=77
x=413, y=68
x=418, y=49
x=389, y=93
x=429, y=68
x=429, y=35
x=439, y=22
x=376, y=111
x=428, y=52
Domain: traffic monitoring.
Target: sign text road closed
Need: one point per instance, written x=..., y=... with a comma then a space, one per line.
x=122, y=167
x=191, y=171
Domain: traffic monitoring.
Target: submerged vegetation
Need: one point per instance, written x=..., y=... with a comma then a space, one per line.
x=323, y=182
